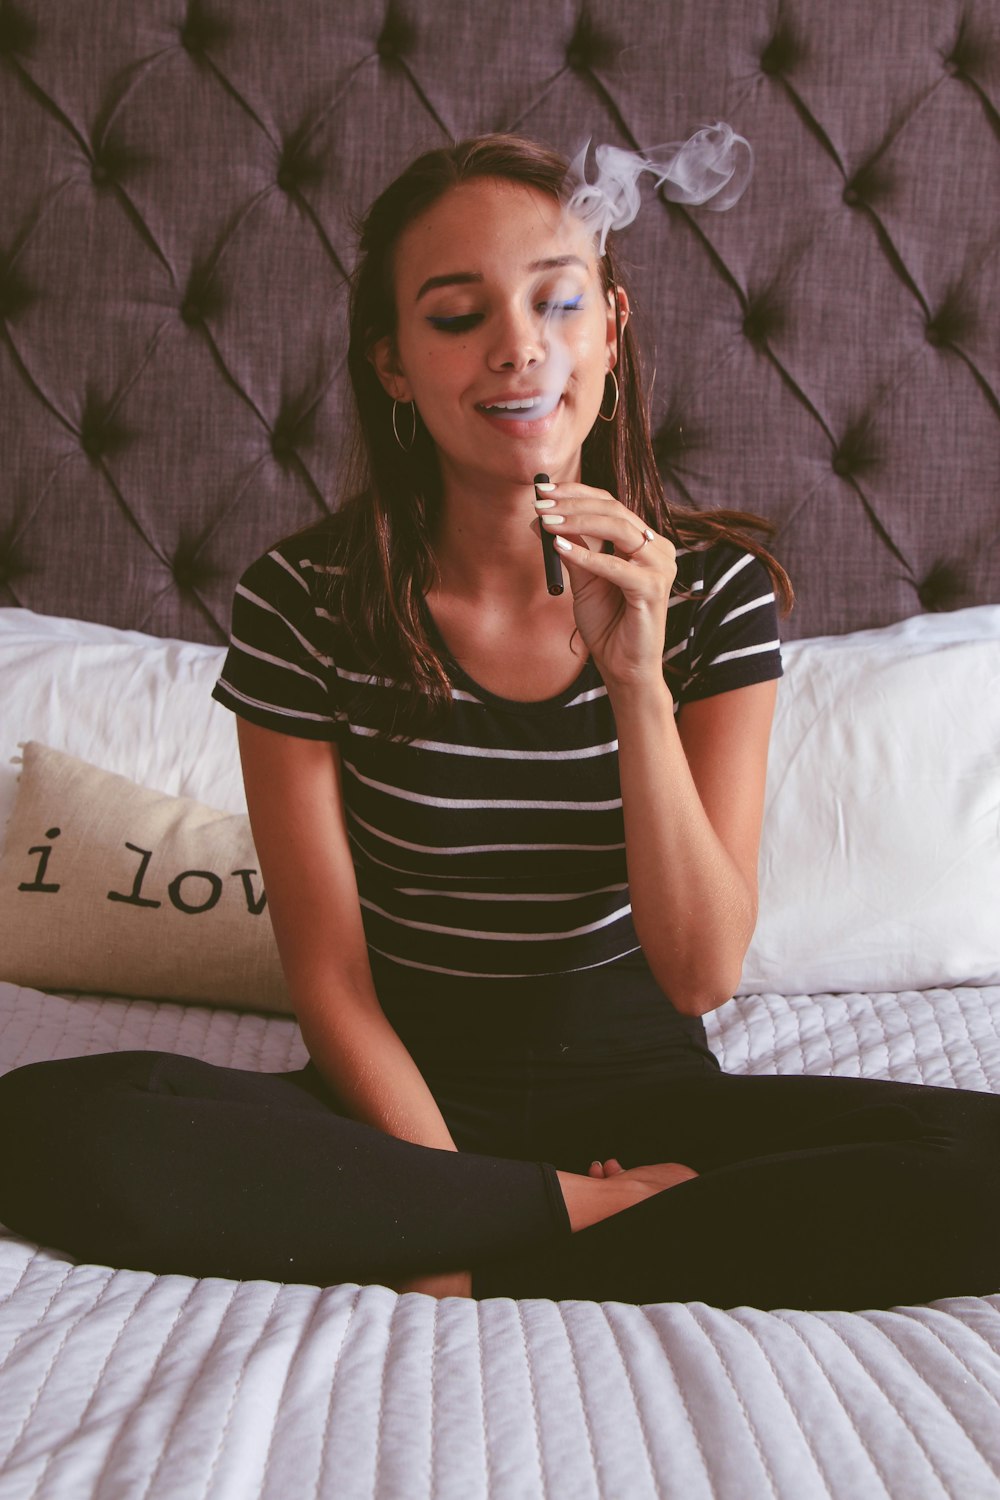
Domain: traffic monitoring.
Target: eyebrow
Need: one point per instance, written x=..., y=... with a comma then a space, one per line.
x=466, y=278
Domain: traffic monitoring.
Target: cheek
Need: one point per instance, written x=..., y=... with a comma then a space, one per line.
x=436, y=372
x=591, y=342
x=590, y=361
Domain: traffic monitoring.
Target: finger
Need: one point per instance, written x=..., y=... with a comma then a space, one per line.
x=595, y=1169
x=573, y=502
x=554, y=495
x=631, y=577
x=612, y=1167
x=626, y=532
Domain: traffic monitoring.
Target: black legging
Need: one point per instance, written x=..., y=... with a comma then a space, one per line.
x=813, y=1192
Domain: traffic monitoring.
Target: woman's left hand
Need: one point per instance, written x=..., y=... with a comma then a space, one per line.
x=619, y=599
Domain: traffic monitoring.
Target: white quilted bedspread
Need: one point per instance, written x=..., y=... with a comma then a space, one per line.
x=121, y=1384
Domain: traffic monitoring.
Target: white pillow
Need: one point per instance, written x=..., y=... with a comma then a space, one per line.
x=133, y=704
x=880, y=862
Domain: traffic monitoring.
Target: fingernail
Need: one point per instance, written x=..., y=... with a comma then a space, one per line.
x=543, y=504
x=554, y=520
x=595, y=1163
x=545, y=487
x=560, y=542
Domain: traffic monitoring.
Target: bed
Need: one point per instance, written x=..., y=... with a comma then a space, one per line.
x=179, y=183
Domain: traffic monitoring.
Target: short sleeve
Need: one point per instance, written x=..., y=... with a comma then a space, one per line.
x=278, y=672
x=734, y=631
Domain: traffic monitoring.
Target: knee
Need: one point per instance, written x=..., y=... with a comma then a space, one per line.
x=23, y=1092
x=52, y=1130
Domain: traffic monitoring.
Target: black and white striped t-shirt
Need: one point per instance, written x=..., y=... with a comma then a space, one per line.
x=492, y=846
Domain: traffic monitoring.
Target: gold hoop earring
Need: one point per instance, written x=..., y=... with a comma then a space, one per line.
x=413, y=431
x=614, y=409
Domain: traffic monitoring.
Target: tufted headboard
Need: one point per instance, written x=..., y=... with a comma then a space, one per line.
x=178, y=180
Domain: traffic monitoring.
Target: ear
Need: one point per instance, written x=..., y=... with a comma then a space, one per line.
x=617, y=301
x=385, y=360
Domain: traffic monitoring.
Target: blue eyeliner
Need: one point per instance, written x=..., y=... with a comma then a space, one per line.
x=462, y=322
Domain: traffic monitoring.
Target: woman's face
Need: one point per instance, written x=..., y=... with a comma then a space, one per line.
x=504, y=333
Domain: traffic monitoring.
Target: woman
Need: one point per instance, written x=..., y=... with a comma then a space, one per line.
x=509, y=840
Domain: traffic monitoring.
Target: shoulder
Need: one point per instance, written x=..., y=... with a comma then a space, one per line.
x=306, y=559
x=722, y=567
x=725, y=629
x=279, y=671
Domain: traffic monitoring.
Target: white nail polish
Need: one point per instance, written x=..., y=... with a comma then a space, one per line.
x=554, y=520
x=561, y=543
x=545, y=487
x=544, y=504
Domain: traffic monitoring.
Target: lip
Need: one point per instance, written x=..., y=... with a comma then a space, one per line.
x=522, y=418
x=520, y=425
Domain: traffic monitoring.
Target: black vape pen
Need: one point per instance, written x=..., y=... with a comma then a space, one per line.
x=553, y=562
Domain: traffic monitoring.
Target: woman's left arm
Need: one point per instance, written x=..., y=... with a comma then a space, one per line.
x=693, y=802
x=692, y=786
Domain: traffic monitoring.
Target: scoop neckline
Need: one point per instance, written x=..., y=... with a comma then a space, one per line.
x=460, y=678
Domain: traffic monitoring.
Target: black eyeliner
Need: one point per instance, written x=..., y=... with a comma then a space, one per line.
x=553, y=562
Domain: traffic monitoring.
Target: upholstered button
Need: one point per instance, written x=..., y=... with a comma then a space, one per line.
x=295, y=171
x=200, y=30
x=935, y=335
x=14, y=295
x=187, y=569
x=99, y=174
x=586, y=48
x=395, y=39
x=191, y=311
x=17, y=31
x=100, y=435
x=281, y=443
x=943, y=588
x=851, y=196
x=962, y=57
x=670, y=442
x=841, y=465
x=763, y=320
x=778, y=55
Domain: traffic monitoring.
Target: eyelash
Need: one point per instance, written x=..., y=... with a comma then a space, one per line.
x=465, y=321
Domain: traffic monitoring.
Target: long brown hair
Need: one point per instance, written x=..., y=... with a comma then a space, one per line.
x=382, y=533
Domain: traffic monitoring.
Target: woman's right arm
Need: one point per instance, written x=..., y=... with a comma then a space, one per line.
x=296, y=807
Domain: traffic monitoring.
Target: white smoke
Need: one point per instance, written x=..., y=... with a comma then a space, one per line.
x=711, y=169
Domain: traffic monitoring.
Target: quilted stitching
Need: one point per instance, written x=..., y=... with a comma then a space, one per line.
x=888, y=1403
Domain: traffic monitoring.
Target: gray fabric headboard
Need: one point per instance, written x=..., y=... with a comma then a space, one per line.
x=178, y=181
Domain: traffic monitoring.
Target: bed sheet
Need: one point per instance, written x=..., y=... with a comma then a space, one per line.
x=120, y=1383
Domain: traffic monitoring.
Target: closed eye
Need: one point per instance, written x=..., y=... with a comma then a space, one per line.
x=573, y=305
x=463, y=322
x=460, y=324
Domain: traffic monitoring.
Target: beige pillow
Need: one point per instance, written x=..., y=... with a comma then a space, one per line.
x=108, y=887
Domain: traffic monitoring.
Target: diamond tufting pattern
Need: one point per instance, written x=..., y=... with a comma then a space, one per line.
x=180, y=183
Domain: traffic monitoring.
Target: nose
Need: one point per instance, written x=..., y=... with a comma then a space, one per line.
x=519, y=341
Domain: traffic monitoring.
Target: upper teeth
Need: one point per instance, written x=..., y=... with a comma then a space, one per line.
x=522, y=405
